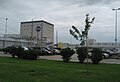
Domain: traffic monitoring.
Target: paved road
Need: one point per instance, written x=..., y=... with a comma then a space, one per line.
x=74, y=58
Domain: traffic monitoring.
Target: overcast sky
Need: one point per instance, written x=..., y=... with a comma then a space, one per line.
x=63, y=14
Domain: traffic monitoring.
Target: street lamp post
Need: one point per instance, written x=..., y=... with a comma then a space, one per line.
x=32, y=38
x=5, y=33
x=6, y=26
x=116, y=26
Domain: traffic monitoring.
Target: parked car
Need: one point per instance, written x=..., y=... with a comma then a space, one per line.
x=6, y=49
x=106, y=53
x=118, y=51
x=25, y=48
x=42, y=51
x=9, y=49
x=49, y=51
x=57, y=51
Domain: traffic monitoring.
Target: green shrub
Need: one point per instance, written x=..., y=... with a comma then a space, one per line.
x=29, y=54
x=96, y=55
x=82, y=53
x=12, y=51
x=16, y=51
x=19, y=51
x=66, y=54
x=23, y=54
x=6, y=50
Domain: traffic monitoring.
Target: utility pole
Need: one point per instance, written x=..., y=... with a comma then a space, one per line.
x=116, y=27
x=42, y=35
x=32, y=33
x=56, y=38
x=38, y=30
x=32, y=29
x=4, y=44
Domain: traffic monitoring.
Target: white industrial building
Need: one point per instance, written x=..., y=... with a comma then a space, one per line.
x=45, y=35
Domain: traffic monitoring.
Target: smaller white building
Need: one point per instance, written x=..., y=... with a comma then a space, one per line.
x=4, y=42
x=92, y=43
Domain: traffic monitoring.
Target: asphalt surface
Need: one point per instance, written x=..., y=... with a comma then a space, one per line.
x=73, y=58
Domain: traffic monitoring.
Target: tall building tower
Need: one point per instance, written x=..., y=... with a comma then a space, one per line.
x=45, y=36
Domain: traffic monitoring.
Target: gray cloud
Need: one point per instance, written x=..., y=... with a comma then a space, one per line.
x=85, y=2
x=63, y=13
x=95, y=2
x=2, y=2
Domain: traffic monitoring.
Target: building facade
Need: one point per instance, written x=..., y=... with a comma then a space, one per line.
x=92, y=43
x=45, y=37
x=4, y=42
x=14, y=36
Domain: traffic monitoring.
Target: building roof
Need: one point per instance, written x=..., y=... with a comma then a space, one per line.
x=37, y=21
x=11, y=39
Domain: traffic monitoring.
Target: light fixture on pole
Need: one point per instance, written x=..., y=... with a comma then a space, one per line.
x=4, y=45
x=56, y=39
x=116, y=26
x=6, y=26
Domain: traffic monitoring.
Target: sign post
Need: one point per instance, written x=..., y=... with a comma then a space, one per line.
x=38, y=30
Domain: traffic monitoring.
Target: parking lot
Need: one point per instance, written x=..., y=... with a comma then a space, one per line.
x=74, y=58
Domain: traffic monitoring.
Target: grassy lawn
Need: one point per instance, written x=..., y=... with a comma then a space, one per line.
x=17, y=70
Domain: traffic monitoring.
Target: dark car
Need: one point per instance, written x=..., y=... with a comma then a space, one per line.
x=6, y=50
x=41, y=51
x=105, y=53
x=49, y=51
x=10, y=49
